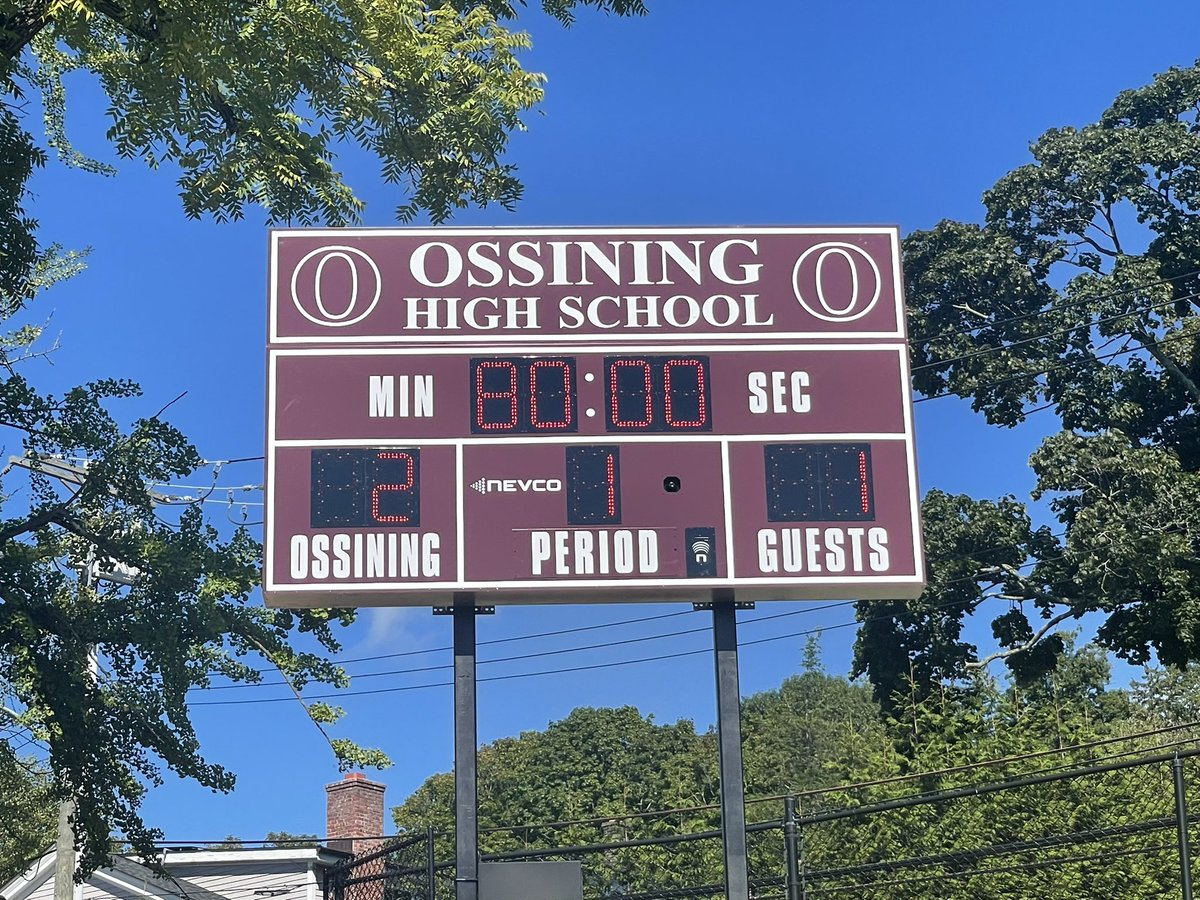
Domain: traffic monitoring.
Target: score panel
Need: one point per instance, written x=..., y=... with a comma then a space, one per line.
x=620, y=520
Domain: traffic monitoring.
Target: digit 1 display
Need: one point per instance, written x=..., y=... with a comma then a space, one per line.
x=363, y=488
x=657, y=394
x=819, y=483
x=519, y=395
x=593, y=485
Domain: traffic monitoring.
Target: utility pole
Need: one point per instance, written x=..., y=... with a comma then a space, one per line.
x=65, y=860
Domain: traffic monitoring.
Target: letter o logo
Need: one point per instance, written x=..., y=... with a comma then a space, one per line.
x=837, y=282
x=336, y=286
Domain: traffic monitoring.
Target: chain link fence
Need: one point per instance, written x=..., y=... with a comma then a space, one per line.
x=1108, y=829
x=401, y=869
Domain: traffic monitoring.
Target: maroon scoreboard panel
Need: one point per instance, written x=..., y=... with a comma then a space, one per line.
x=587, y=414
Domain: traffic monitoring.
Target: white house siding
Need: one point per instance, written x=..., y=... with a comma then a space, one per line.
x=283, y=880
x=44, y=891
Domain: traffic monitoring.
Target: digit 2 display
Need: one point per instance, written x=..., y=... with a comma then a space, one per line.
x=516, y=395
x=819, y=483
x=359, y=488
x=657, y=393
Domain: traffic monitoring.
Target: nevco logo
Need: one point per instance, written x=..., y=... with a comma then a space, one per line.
x=517, y=485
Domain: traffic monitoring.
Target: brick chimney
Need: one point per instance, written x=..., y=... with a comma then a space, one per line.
x=353, y=811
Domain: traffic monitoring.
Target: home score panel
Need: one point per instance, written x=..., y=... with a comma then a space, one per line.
x=629, y=469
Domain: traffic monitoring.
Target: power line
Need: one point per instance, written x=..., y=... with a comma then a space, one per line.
x=925, y=338
x=985, y=351
x=573, y=669
x=1067, y=365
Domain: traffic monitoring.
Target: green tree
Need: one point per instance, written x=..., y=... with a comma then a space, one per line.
x=813, y=731
x=1079, y=293
x=248, y=103
x=28, y=813
x=287, y=839
x=597, y=769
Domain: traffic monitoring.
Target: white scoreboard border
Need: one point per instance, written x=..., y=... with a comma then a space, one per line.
x=573, y=590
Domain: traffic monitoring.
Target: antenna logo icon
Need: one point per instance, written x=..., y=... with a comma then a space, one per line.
x=700, y=552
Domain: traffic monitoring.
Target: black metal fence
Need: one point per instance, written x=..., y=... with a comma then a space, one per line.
x=1117, y=827
x=401, y=868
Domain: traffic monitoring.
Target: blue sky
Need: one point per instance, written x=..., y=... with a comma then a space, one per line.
x=703, y=113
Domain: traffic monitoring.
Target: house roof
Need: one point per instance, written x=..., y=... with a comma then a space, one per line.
x=131, y=880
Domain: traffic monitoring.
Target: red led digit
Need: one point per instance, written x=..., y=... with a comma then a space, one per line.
x=702, y=411
x=482, y=395
x=381, y=488
x=862, y=480
x=565, y=370
x=610, y=473
x=616, y=407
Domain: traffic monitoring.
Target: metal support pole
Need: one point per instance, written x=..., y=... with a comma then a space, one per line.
x=791, y=845
x=729, y=737
x=466, y=744
x=1181, y=816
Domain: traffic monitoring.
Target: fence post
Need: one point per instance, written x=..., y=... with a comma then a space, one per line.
x=792, y=849
x=1181, y=816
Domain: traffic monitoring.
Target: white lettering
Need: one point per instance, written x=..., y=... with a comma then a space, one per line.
x=756, y=383
x=689, y=264
x=490, y=321
x=382, y=393
x=693, y=309
x=341, y=556
x=768, y=556
x=531, y=264
x=539, y=549
x=570, y=307
x=521, y=312
x=320, y=556
x=299, y=556
x=561, y=552
x=431, y=559
x=877, y=541
x=718, y=265
x=593, y=312
x=417, y=264
x=491, y=266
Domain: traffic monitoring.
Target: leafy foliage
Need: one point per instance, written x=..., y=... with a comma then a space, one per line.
x=1079, y=291
x=249, y=102
x=825, y=740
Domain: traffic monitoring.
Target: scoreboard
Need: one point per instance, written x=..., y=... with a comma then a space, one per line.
x=566, y=415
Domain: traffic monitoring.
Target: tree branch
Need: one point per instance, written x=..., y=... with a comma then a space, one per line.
x=21, y=27
x=1154, y=348
x=1028, y=645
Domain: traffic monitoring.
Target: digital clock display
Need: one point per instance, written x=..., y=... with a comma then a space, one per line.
x=657, y=394
x=648, y=394
x=523, y=396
